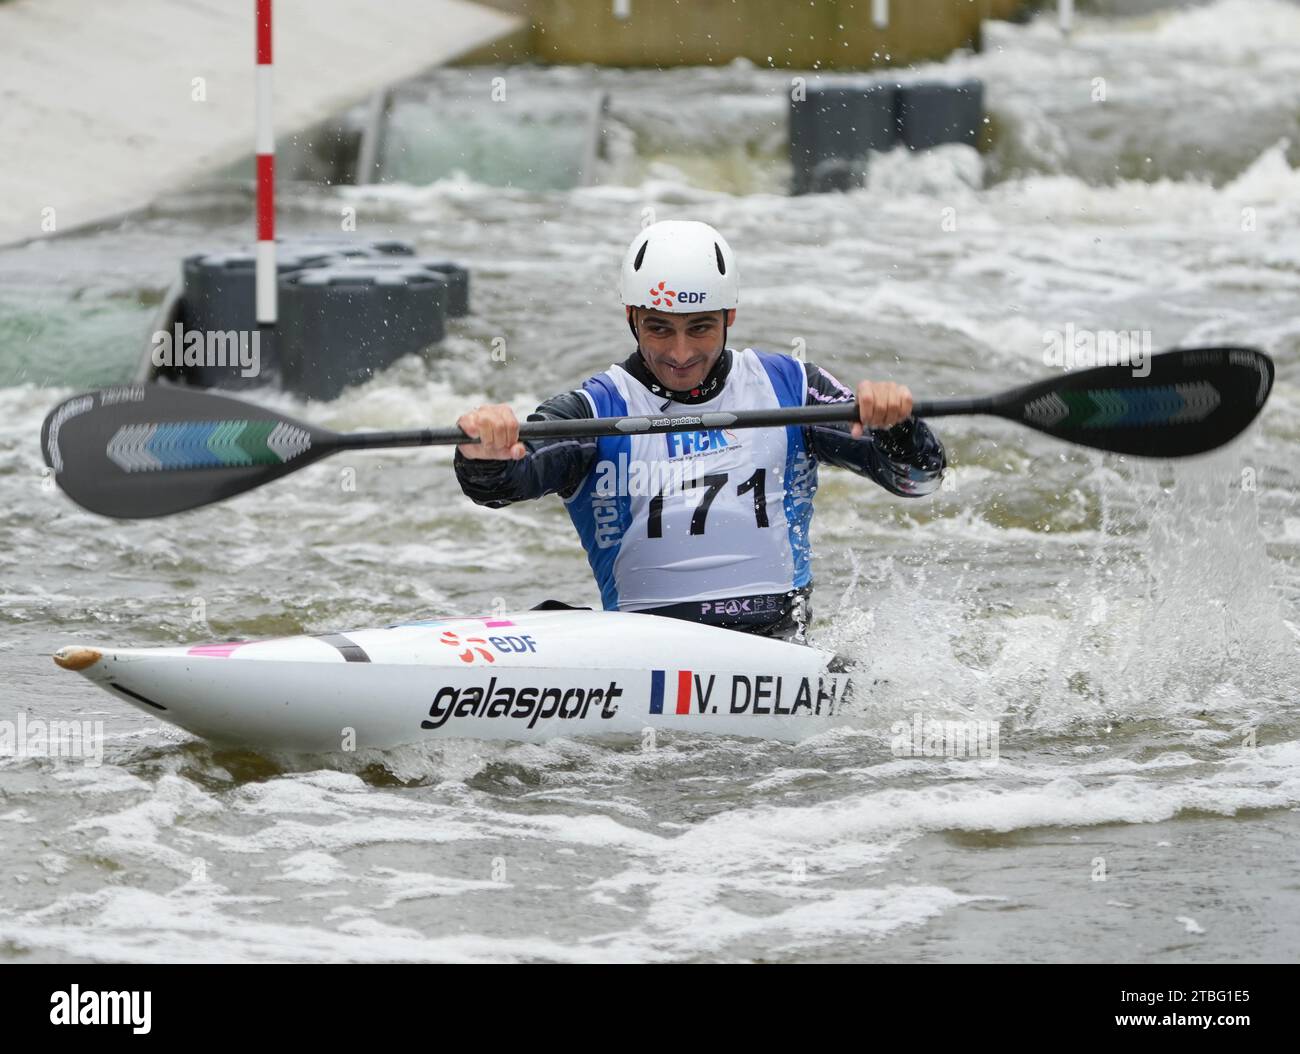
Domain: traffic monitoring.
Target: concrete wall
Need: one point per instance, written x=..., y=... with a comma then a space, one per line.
x=98, y=114
x=97, y=108
x=825, y=34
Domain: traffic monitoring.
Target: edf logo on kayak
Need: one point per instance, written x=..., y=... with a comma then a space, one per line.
x=682, y=443
x=470, y=648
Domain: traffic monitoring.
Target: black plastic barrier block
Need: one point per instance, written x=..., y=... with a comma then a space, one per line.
x=835, y=128
x=220, y=297
x=342, y=323
x=832, y=130
x=934, y=114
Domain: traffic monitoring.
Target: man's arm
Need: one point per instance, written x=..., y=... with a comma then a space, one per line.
x=548, y=466
x=907, y=459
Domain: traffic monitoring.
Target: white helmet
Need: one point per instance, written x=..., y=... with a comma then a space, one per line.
x=679, y=266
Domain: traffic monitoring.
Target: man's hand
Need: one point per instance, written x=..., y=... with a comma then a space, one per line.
x=497, y=430
x=881, y=404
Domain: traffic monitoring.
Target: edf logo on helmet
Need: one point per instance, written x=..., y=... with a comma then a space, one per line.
x=661, y=293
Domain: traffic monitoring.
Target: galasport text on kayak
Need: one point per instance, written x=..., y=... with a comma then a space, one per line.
x=760, y=695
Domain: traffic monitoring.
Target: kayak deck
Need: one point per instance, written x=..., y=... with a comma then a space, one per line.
x=525, y=677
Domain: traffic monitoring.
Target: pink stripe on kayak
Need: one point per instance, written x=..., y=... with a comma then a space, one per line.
x=217, y=651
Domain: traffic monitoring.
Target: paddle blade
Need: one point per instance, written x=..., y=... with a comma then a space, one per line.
x=1191, y=401
x=150, y=450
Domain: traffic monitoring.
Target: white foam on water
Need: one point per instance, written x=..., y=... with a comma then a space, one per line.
x=211, y=925
x=1234, y=29
x=134, y=831
x=791, y=855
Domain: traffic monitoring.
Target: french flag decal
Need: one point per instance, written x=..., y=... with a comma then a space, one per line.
x=657, y=686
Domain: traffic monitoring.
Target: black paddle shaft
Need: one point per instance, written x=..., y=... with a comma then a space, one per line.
x=153, y=450
x=1179, y=403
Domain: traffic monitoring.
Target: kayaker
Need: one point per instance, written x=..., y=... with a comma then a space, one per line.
x=710, y=526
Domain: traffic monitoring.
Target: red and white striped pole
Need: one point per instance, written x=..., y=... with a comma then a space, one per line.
x=266, y=275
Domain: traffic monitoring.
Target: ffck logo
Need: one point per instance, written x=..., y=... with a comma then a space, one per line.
x=681, y=443
x=76, y=1007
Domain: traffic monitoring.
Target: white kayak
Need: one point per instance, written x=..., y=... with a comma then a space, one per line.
x=528, y=676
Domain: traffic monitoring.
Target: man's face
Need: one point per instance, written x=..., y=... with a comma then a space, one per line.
x=680, y=349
